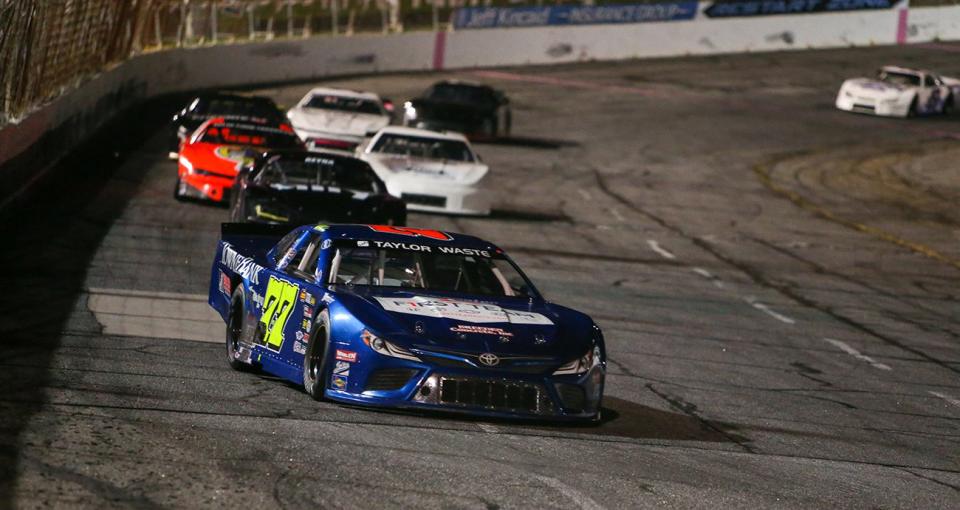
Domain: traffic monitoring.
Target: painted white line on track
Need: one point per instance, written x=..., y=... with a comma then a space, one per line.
x=655, y=246
x=708, y=275
x=585, y=194
x=489, y=429
x=124, y=312
x=948, y=398
x=857, y=354
x=576, y=496
x=766, y=309
x=616, y=214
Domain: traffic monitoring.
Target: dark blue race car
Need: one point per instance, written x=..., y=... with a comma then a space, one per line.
x=401, y=317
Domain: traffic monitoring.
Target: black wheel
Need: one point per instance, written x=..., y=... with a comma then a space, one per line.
x=507, y=123
x=948, y=105
x=178, y=189
x=314, y=361
x=235, y=329
x=912, y=112
x=490, y=128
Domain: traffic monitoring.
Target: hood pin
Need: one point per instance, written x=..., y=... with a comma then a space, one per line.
x=418, y=327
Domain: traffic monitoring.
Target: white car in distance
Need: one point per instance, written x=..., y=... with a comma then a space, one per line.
x=434, y=171
x=338, y=119
x=899, y=92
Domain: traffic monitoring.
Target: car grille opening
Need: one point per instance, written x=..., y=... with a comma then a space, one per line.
x=389, y=379
x=494, y=395
x=430, y=200
x=572, y=397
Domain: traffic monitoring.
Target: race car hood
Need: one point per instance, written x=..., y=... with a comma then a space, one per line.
x=337, y=122
x=869, y=87
x=504, y=326
x=445, y=170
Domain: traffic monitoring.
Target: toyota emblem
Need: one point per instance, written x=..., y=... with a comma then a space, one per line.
x=490, y=359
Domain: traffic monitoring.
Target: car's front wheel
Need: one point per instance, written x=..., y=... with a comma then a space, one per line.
x=315, y=358
x=179, y=189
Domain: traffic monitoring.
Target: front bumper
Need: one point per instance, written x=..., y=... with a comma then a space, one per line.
x=204, y=187
x=482, y=393
x=440, y=197
x=324, y=140
x=883, y=108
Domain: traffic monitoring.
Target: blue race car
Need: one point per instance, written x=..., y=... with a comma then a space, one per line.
x=403, y=318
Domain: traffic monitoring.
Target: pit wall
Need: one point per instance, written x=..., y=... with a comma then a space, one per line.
x=45, y=135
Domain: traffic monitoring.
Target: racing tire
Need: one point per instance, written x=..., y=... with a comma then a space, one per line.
x=315, y=359
x=948, y=105
x=235, y=317
x=178, y=190
x=489, y=128
x=912, y=111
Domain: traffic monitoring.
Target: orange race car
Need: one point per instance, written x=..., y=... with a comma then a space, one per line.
x=213, y=155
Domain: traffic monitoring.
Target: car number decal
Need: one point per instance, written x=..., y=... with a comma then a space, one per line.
x=278, y=303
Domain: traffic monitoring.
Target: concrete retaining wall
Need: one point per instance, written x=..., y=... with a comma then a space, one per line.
x=80, y=112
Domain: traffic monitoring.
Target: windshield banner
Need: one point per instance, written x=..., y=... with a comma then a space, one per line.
x=743, y=8
x=499, y=17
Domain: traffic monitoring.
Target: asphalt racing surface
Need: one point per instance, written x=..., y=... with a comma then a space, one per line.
x=778, y=282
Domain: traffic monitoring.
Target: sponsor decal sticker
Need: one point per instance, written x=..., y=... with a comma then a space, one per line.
x=465, y=311
x=415, y=232
x=363, y=244
x=243, y=266
x=326, y=244
x=327, y=298
x=339, y=382
x=345, y=355
x=305, y=325
x=299, y=348
x=483, y=330
x=299, y=335
x=225, y=285
x=342, y=368
x=307, y=311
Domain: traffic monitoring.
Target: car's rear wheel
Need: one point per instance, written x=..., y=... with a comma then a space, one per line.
x=314, y=361
x=912, y=112
x=490, y=128
x=948, y=105
x=235, y=328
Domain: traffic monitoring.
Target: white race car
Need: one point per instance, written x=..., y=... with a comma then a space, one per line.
x=338, y=119
x=435, y=171
x=899, y=92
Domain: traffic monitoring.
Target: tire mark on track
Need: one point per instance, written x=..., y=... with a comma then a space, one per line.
x=763, y=172
x=762, y=281
x=691, y=411
x=820, y=269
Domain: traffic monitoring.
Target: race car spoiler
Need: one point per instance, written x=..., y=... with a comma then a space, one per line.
x=254, y=230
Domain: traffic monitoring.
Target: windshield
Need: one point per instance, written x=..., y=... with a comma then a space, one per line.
x=250, y=135
x=423, y=147
x=236, y=108
x=345, y=104
x=899, y=78
x=330, y=174
x=461, y=270
x=460, y=94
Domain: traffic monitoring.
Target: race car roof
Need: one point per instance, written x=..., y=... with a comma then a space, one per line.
x=423, y=133
x=405, y=235
x=353, y=94
x=904, y=70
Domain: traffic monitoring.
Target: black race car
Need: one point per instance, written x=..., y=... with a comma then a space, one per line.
x=473, y=109
x=300, y=187
x=227, y=106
